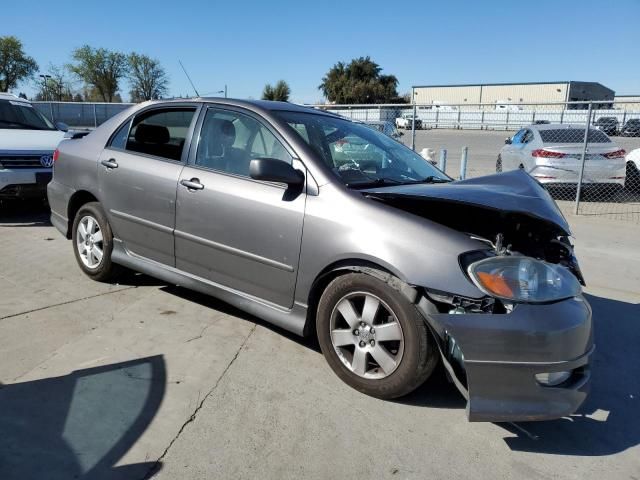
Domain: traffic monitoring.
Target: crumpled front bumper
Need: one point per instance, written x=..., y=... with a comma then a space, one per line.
x=502, y=353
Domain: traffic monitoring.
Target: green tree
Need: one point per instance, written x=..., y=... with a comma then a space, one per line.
x=100, y=69
x=15, y=65
x=279, y=92
x=360, y=81
x=147, y=78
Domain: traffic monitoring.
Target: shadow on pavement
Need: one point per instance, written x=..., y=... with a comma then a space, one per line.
x=79, y=425
x=24, y=213
x=608, y=422
x=220, y=306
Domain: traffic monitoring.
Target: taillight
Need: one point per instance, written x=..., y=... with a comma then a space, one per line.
x=620, y=153
x=542, y=153
x=56, y=154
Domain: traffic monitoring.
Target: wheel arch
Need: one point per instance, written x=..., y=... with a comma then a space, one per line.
x=77, y=200
x=343, y=267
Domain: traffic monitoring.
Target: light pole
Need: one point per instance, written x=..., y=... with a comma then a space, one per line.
x=44, y=85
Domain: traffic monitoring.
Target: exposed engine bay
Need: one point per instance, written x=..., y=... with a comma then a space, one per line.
x=505, y=233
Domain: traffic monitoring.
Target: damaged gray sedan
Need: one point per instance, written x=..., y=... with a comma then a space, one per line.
x=326, y=227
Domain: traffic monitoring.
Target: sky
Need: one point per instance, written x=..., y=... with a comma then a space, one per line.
x=250, y=43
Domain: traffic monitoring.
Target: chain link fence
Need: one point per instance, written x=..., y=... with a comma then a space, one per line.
x=588, y=171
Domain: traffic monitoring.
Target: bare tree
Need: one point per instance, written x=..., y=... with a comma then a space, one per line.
x=15, y=65
x=100, y=69
x=148, y=79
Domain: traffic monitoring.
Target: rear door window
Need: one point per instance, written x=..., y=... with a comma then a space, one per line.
x=161, y=133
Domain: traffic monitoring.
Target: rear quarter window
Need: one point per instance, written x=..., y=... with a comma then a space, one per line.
x=572, y=135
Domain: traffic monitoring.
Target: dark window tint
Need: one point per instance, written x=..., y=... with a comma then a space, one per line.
x=22, y=115
x=119, y=140
x=229, y=141
x=572, y=135
x=161, y=133
x=527, y=137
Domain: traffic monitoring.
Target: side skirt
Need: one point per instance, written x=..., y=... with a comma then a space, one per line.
x=292, y=319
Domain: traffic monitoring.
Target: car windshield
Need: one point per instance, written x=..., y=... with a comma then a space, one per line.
x=572, y=135
x=22, y=115
x=361, y=156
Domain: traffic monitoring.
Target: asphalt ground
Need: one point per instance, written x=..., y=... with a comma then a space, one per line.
x=141, y=379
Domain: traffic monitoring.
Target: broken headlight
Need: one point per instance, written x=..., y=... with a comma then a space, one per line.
x=523, y=279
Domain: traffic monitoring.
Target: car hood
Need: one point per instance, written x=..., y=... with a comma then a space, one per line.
x=14, y=140
x=514, y=192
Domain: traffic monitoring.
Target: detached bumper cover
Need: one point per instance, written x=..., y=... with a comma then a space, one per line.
x=503, y=353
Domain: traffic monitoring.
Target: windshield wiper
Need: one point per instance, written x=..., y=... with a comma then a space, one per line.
x=378, y=182
x=22, y=125
x=429, y=179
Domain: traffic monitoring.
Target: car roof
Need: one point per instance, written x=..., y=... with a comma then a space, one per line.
x=256, y=105
x=11, y=96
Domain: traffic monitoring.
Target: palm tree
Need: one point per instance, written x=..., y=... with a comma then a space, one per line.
x=280, y=92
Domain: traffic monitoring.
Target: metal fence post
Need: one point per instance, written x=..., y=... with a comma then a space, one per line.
x=413, y=128
x=443, y=159
x=95, y=116
x=583, y=158
x=463, y=163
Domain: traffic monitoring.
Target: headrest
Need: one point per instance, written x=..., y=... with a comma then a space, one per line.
x=227, y=131
x=147, y=133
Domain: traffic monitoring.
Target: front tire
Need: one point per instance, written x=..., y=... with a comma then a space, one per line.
x=93, y=243
x=373, y=338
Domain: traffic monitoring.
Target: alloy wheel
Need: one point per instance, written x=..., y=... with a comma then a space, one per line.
x=366, y=335
x=90, y=242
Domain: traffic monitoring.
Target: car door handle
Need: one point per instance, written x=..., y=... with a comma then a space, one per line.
x=111, y=163
x=193, y=184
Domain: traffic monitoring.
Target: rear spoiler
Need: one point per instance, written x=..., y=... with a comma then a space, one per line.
x=79, y=134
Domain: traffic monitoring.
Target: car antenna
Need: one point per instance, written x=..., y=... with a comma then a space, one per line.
x=189, y=78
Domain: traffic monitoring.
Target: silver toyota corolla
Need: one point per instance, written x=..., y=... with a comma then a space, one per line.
x=389, y=262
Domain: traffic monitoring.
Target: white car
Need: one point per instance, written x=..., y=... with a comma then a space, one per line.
x=551, y=153
x=633, y=170
x=405, y=121
x=27, y=143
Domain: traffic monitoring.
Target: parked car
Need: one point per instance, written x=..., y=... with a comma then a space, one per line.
x=396, y=268
x=631, y=128
x=552, y=155
x=27, y=142
x=608, y=125
x=386, y=127
x=405, y=121
x=633, y=170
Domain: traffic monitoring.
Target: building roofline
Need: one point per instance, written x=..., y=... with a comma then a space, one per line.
x=501, y=84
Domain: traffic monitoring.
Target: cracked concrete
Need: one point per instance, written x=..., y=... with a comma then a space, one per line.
x=214, y=393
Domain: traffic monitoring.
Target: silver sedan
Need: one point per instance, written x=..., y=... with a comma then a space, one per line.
x=552, y=154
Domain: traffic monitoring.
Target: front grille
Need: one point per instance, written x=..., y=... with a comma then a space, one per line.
x=21, y=161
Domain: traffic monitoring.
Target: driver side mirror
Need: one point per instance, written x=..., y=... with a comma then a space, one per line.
x=507, y=141
x=63, y=127
x=273, y=170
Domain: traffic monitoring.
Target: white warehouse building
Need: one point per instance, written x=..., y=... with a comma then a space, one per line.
x=514, y=94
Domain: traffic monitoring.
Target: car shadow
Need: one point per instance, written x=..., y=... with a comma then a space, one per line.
x=24, y=213
x=608, y=422
x=215, y=304
x=80, y=425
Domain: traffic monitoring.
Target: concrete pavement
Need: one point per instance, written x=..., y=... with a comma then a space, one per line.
x=143, y=379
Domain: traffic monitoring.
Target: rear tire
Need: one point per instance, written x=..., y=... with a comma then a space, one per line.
x=93, y=243
x=393, y=351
